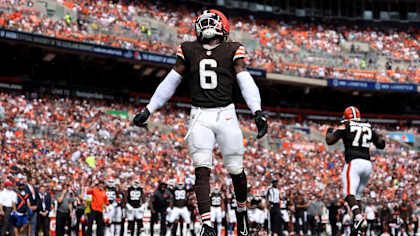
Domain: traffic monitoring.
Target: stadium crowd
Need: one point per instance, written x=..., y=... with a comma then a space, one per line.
x=49, y=143
x=310, y=50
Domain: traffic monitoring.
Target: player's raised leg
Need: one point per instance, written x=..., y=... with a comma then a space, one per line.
x=201, y=142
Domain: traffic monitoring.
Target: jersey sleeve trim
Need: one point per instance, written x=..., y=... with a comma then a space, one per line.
x=180, y=53
x=240, y=53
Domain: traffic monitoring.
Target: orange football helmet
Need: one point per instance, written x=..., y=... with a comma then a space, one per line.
x=351, y=113
x=212, y=23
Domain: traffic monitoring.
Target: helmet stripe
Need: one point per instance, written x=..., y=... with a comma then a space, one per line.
x=354, y=112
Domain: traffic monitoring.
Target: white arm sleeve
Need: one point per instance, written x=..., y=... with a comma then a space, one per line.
x=164, y=91
x=249, y=90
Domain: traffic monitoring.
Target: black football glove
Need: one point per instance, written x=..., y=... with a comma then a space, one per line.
x=330, y=130
x=261, y=123
x=140, y=119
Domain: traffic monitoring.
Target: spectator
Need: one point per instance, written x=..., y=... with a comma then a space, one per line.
x=347, y=220
x=370, y=212
x=99, y=200
x=34, y=199
x=333, y=206
x=315, y=211
x=352, y=48
x=159, y=204
x=67, y=18
x=8, y=199
x=20, y=215
x=388, y=65
x=301, y=205
x=44, y=208
x=64, y=209
x=80, y=211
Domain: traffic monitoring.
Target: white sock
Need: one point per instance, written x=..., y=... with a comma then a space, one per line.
x=205, y=218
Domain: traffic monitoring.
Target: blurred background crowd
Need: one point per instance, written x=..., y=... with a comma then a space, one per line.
x=53, y=140
x=305, y=49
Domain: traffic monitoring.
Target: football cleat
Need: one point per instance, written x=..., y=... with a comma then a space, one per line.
x=242, y=223
x=207, y=231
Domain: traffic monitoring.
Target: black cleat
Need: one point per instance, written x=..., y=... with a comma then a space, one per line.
x=243, y=225
x=207, y=231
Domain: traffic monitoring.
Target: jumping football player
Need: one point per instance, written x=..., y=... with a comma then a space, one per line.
x=357, y=137
x=211, y=65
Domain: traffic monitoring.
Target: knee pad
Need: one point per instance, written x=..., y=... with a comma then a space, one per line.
x=202, y=159
x=234, y=164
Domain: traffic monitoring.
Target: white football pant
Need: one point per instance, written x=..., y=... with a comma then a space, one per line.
x=209, y=126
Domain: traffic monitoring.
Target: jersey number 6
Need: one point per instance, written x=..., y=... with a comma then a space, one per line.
x=208, y=78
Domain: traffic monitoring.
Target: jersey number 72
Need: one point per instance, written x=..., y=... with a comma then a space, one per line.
x=362, y=132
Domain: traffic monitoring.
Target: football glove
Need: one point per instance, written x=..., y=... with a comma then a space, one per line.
x=330, y=130
x=140, y=119
x=261, y=123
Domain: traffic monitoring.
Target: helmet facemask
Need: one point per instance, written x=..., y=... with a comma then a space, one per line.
x=208, y=26
x=110, y=183
x=179, y=185
x=136, y=184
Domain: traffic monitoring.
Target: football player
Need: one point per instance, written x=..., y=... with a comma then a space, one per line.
x=285, y=212
x=256, y=213
x=217, y=209
x=179, y=208
x=357, y=137
x=113, y=212
x=211, y=65
x=231, y=208
x=191, y=204
x=135, y=199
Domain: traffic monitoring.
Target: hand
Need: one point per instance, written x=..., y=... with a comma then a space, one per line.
x=140, y=119
x=330, y=130
x=261, y=123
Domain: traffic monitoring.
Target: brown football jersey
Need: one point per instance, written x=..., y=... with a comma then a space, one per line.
x=210, y=72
